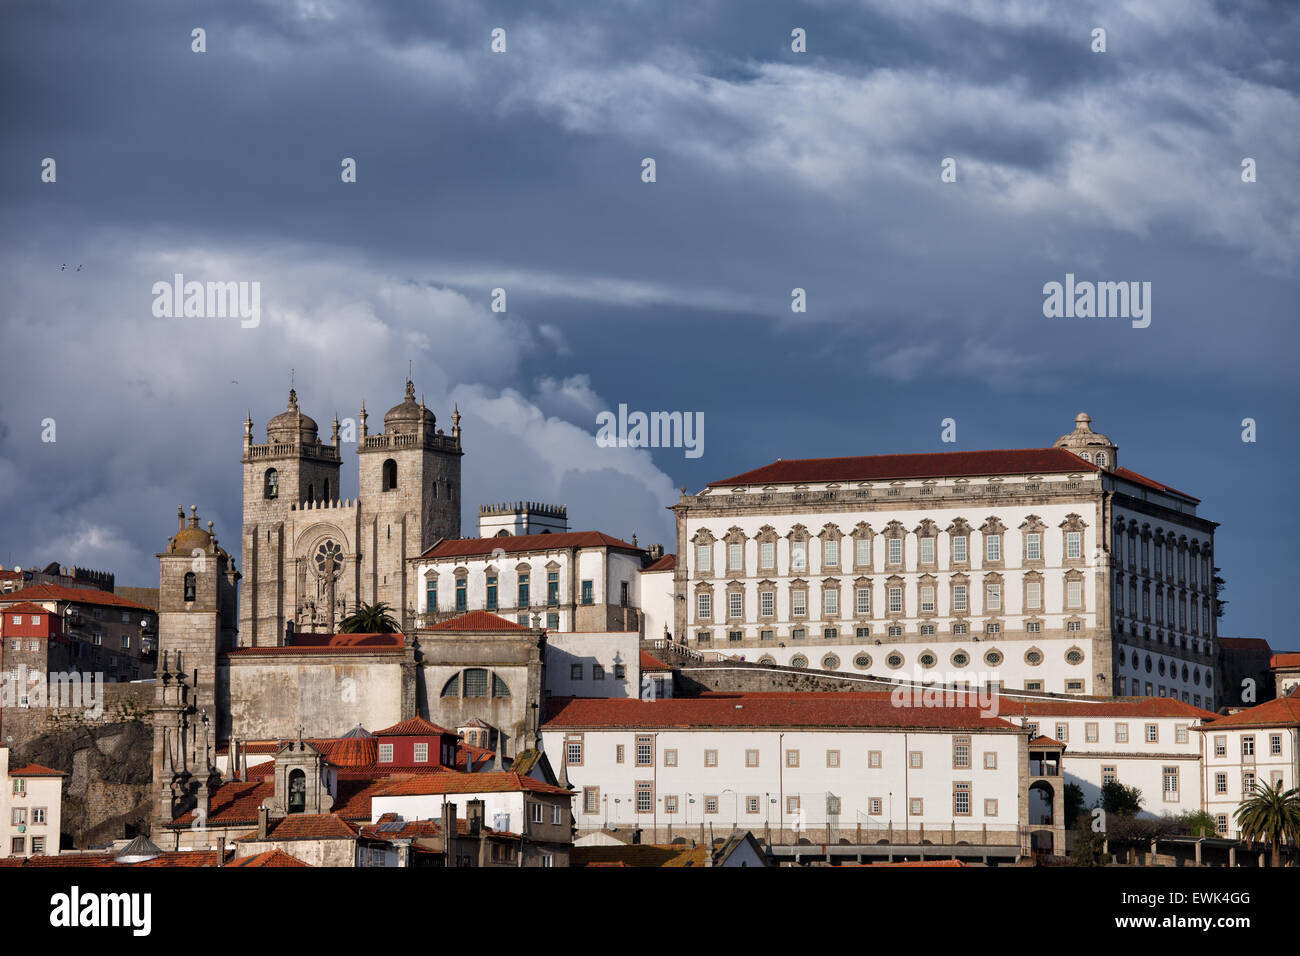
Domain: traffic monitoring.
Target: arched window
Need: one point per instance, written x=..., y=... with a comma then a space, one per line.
x=191, y=586
x=452, y=687
x=499, y=688
x=390, y=475
x=297, y=791
x=1101, y=458
x=271, y=485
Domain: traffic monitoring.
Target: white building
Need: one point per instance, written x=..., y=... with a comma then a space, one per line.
x=1049, y=569
x=521, y=517
x=575, y=581
x=1259, y=745
x=1149, y=743
x=825, y=767
x=593, y=665
x=31, y=801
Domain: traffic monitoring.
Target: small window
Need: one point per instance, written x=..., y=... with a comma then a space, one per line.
x=389, y=477
x=385, y=753
x=191, y=586
x=422, y=753
x=271, y=484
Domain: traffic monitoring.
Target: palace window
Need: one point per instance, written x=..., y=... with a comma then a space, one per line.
x=993, y=547
x=704, y=605
x=523, y=589
x=1033, y=546
x=492, y=593
x=704, y=558
x=895, y=550
x=767, y=555
x=959, y=549
x=1074, y=545
x=863, y=600
x=735, y=557
x=767, y=603
x=927, y=550
x=798, y=555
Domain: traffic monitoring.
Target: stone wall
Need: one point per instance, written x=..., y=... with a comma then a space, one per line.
x=121, y=702
x=746, y=678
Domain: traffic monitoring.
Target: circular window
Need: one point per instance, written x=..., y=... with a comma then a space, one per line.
x=960, y=659
x=830, y=662
x=894, y=660
x=1074, y=656
x=767, y=659
x=1033, y=657
x=928, y=659
x=798, y=661
x=862, y=661
x=328, y=558
x=993, y=658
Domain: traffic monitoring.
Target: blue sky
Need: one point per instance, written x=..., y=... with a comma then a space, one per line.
x=521, y=170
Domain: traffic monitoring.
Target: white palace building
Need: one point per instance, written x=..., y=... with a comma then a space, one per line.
x=1048, y=569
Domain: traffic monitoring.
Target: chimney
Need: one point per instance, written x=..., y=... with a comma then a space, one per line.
x=469, y=761
x=221, y=850
x=449, y=832
x=263, y=821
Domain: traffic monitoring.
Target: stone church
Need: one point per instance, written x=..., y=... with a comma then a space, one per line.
x=309, y=557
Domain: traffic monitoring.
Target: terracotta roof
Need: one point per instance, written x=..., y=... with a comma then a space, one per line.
x=762, y=710
x=1043, y=741
x=414, y=727
x=476, y=621
x=27, y=607
x=275, y=857
x=329, y=644
x=1285, y=659
x=639, y=854
x=652, y=663
x=168, y=859
x=1134, y=477
x=10, y=575
x=236, y=803
x=1100, y=707
x=513, y=544
x=1283, y=712
x=945, y=464
x=304, y=826
x=57, y=592
x=1245, y=644
x=666, y=563
x=36, y=770
x=493, y=781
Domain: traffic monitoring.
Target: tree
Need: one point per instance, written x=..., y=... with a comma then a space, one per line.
x=369, y=619
x=1073, y=803
x=1271, y=815
x=1119, y=800
x=1197, y=823
x=1219, y=603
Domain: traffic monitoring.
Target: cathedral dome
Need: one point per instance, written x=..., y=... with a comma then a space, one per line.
x=406, y=417
x=1089, y=445
x=291, y=424
x=189, y=537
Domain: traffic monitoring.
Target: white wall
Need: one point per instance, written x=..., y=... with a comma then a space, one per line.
x=563, y=651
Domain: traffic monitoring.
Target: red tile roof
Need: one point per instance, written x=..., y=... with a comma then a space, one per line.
x=414, y=727
x=512, y=544
x=1100, y=707
x=476, y=621
x=36, y=770
x=1134, y=477
x=57, y=592
x=493, y=781
x=236, y=803
x=1045, y=742
x=169, y=858
x=1285, y=659
x=762, y=710
x=27, y=607
x=275, y=857
x=329, y=644
x=1245, y=644
x=652, y=663
x=946, y=464
x=666, y=563
x=304, y=826
x=1283, y=712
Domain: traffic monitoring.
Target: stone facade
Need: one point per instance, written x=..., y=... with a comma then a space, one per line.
x=310, y=558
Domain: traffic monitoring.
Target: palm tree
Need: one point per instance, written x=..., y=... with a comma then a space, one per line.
x=369, y=619
x=1272, y=815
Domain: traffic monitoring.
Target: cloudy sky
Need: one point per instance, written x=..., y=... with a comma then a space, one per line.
x=522, y=170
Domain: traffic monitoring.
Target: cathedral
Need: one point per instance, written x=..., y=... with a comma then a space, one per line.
x=309, y=557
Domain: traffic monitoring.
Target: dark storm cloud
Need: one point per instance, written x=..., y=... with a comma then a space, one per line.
x=523, y=170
